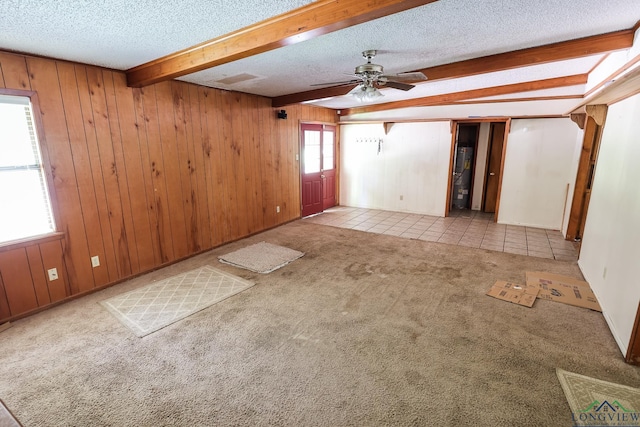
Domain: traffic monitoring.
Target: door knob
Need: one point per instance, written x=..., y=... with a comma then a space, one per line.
x=322, y=176
x=491, y=173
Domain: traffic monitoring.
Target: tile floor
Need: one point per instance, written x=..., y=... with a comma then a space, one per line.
x=464, y=228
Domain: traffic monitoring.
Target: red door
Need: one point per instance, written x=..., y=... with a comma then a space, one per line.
x=318, y=168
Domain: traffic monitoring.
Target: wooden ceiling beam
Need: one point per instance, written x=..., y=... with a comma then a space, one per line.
x=449, y=98
x=310, y=95
x=301, y=24
x=315, y=94
x=570, y=49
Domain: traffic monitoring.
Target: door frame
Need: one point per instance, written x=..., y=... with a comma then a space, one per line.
x=473, y=166
x=336, y=154
x=633, y=350
x=585, y=175
x=454, y=134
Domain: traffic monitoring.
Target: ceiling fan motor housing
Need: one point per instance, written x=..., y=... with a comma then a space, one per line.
x=369, y=69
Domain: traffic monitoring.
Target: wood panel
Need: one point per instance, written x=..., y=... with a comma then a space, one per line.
x=81, y=160
x=94, y=133
x=131, y=170
x=216, y=162
x=148, y=174
x=198, y=175
x=181, y=113
x=172, y=167
x=235, y=149
x=155, y=163
x=43, y=75
x=214, y=176
x=36, y=267
x=109, y=171
x=5, y=312
x=18, y=285
x=127, y=254
x=144, y=177
x=14, y=71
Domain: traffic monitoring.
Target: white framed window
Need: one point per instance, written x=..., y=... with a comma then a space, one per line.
x=25, y=206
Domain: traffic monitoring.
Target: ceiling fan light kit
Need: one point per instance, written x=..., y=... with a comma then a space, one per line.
x=365, y=93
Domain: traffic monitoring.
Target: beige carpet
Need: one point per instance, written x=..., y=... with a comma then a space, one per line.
x=595, y=402
x=155, y=306
x=262, y=257
x=364, y=330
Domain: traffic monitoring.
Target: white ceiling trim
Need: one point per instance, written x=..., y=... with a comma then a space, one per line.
x=464, y=111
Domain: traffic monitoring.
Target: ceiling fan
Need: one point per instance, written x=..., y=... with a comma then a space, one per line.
x=370, y=77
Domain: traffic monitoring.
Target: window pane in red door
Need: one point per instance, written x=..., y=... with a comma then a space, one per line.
x=327, y=151
x=311, y=151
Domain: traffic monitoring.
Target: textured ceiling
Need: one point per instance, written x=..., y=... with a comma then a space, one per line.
x=121, y=35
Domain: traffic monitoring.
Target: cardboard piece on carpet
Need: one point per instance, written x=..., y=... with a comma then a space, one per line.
x=564, y=289
x=6, y=417
x=513, y=292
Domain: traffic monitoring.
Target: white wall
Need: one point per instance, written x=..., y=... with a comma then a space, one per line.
x=481, y=165
x=610, y=253
x=539, y=163
x=413, y=163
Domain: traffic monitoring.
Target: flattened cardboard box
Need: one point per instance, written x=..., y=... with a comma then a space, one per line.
x=515, y=293
x=554, y=287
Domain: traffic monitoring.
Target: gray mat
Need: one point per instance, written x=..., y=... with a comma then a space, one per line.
x=160, y=304
x=595, y=402
x=261, y=258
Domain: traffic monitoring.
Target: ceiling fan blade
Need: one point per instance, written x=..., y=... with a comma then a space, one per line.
x=342, y=83
x=398, y=85
x=408, y=77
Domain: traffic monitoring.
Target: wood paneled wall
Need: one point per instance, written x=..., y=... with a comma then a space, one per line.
x=144, y=177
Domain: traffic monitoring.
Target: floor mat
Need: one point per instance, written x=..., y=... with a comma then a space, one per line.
x=600, y=403
x=261, y=258
x=160, y=304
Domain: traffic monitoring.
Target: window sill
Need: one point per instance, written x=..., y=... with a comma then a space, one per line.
x=31, y=241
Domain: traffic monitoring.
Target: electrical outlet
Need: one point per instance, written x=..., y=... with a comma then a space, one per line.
x=297, y=157
x=53, y=274
x=95, y=261
x=277, y=209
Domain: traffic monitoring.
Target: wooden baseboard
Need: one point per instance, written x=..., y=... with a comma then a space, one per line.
x=4, y=327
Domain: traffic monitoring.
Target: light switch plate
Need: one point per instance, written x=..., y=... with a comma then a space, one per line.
x=95, y=261
x=53, y=274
